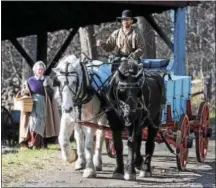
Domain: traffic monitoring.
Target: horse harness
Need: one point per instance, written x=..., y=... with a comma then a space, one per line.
x=121, y=108
x=84, y=93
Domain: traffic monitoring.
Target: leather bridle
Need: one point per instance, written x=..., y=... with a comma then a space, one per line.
x=81, y=94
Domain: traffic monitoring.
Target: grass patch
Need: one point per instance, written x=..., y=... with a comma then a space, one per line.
x=18, y=167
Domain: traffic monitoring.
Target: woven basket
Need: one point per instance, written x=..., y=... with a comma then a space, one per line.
x=23, y=103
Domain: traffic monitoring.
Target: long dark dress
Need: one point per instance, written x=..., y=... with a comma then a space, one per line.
x=36, y=125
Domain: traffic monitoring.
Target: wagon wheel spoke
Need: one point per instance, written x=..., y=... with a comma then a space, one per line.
x=182, y=156
x=202, y=138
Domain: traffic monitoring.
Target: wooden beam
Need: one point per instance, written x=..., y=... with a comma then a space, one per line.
x=62, y=50
x=161, y=33
x=180, y=43
x=42, y=47
x=22, y=51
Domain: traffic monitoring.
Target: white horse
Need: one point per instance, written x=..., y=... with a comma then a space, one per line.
x=73, y=82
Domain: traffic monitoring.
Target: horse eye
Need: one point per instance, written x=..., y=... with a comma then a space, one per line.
x=73, y=82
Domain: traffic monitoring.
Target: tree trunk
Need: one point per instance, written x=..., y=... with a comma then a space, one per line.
x=148, y=34
x=88, y=42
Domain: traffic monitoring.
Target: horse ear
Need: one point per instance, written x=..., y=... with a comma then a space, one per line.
x=74, y=56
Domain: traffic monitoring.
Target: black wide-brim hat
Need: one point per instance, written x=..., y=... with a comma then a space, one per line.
x=125, y=15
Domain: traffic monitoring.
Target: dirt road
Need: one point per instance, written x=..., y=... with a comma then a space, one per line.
x=165, y=173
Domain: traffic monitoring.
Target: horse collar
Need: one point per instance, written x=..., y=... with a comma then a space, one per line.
x=83, y=96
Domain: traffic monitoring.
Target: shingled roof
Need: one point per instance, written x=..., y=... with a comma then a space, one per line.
x=24, y=18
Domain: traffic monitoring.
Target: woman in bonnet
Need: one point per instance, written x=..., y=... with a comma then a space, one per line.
x=43, y=121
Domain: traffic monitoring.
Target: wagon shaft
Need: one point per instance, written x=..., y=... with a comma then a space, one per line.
x=93, y=125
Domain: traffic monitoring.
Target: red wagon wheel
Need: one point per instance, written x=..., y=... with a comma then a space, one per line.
x=204, y=132
x=182, y=155
x=110, y=148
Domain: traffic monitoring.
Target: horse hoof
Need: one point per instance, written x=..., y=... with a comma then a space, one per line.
x=145, y=167
x=97, y=163
x=80, y=165
x=66, y=156
x=142, y=174
x=145, y=174
x=74, y=156
x=138, y=167
x=138, y=163
x=89, y=173
x=148, y=174
x=118, y=176
x=67, y=159
x=128, y=176
x=98, y=168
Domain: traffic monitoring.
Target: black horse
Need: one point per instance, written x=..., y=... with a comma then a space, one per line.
x=137, y=98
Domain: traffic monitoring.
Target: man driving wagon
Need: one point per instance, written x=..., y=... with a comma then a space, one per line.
x=127, y=40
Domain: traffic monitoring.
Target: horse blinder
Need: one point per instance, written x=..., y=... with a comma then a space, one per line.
x=56, y=82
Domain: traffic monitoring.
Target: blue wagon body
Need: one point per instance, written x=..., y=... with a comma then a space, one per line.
x=178, y=88
x=178, y=91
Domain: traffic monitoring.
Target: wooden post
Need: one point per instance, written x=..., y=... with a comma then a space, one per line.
x=42, y=47
x=180, y=43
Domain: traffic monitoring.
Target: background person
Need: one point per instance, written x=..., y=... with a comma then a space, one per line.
x=43, y=121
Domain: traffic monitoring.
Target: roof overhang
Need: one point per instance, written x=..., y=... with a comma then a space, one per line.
x=25, y=18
